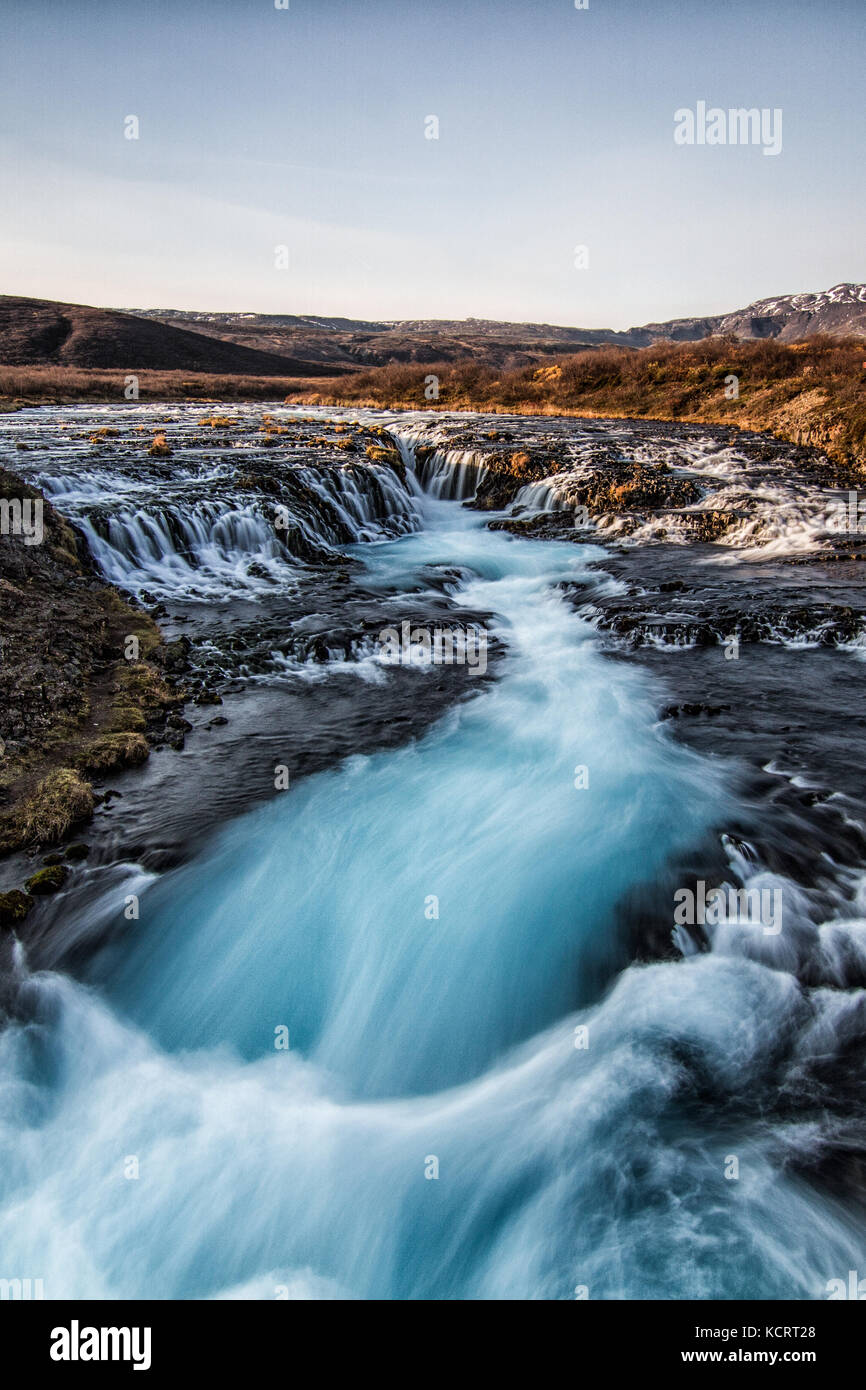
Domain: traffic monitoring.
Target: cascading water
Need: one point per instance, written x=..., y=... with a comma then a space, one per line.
x=203, y=528
x=480, y=1098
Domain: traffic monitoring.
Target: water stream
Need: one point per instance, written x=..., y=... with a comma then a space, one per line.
x=482, y=1096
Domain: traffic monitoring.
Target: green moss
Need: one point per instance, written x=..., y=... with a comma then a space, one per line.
x=143, y=685
x=14, y=907
x=127, y=719
x=379, y=455
x=47, y=880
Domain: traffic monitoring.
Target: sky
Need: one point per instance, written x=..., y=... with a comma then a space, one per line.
x=306, y=128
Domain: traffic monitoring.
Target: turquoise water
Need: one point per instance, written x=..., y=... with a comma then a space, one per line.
x=431, y=926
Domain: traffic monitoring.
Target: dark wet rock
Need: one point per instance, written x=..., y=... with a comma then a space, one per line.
x=559, y=525
x=49, y=880
x=640, y=622
x=507, y=474
x=77, y=851
x=176, y=654
x=14, y=907
x=625, y=487
x=693, y=710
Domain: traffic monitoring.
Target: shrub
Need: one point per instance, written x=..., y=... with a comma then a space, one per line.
x=63, y=799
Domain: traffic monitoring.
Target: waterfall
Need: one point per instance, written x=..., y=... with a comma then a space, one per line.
x=200, y=532
x=452, y=475
x=540, y=497
x=433, y=1129
x=482, y=1093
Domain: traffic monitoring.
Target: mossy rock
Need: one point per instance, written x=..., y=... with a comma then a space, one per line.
x=14, y=907
x=63, y=799
x=127, y=719
x=143, y=685
x=177, y=653
x=379, y=455
x=48, y=880
x=78, y=851
x=115, y=751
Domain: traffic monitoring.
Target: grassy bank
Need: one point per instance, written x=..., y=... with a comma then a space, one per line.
x=810, y=393
x=24, y=386
x=82, y=689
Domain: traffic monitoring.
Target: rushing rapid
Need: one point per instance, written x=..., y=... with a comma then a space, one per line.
x=386, y=1035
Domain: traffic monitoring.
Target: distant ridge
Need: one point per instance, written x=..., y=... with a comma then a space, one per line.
x=40, y=332
x=787, y=317
x=362, y=343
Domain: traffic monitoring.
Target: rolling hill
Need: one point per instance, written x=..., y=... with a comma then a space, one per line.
x=360, y=343
x=38, y=332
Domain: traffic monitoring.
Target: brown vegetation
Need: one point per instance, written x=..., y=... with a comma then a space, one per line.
x=160, y=447
x=809, y=393
x=61, y=801
x=23, y=386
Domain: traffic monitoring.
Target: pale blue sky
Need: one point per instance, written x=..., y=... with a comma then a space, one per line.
x=262, y=127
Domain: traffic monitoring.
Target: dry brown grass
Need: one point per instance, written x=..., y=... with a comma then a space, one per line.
x=810, y=392
x=160, y=447
x=115, y=751
x=61, y=800
x=64, y=385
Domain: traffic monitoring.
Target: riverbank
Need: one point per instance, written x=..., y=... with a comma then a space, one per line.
x=188, y=586
x=809, y=393
x=84, y=689
x=230, y=544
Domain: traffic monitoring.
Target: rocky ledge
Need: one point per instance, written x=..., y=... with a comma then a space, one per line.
x=85, y=688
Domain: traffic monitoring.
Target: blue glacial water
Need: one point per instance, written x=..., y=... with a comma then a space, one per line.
x=433, y=1130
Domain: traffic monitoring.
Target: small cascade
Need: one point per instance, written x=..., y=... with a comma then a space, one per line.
x=366, y=499
x=451, y=475
x=199, y=531
x=540, y=497
x=168, y=549
x=584, y=1079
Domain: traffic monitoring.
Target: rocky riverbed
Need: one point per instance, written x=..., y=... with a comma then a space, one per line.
x=230, y=546
x=469, y=864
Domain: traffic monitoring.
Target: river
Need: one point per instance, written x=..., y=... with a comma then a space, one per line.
x=386, y=1035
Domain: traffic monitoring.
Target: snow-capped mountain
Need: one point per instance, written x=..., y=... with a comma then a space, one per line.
x=787, y=317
